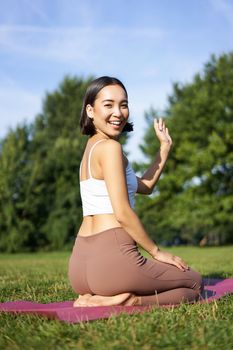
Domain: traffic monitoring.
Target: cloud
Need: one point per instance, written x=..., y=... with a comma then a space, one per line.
x=71, y=44
x=44, y=43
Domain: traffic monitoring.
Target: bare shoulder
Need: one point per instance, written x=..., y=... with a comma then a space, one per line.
x=109, y=148
x=110, y=143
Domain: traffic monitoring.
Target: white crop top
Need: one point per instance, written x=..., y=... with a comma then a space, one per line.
x=94, y=194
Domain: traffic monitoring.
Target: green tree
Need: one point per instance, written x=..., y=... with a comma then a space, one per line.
x=194, y=196
x=57, y=150
x=15, y=227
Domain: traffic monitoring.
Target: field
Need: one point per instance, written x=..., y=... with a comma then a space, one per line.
x=42, y=277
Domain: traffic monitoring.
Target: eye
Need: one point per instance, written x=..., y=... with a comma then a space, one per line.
x=124, y=105
x=108, y=105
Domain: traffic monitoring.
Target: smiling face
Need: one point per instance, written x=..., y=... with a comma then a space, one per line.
x=110, y=111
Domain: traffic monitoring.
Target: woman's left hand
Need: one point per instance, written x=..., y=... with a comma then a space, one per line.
x=162, y=133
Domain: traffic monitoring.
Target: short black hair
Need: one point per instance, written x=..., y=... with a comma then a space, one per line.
x=86, y=124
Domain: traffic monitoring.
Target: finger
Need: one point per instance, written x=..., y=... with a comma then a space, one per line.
x=156, y=124
x=160, y=124
x=184, y=265
x=167, y=134
x=157, y=127
x=179, y=266
x=181, y=262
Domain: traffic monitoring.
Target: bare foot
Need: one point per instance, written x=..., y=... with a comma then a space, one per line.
x=132, y=300
x=99, y=300
x=82, y=300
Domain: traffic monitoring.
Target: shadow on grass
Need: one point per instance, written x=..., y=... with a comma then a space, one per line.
x=215, y=275
x=211, y=279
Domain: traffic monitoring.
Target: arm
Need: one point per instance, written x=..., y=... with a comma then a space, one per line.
x=112, y=164
x=149, y=179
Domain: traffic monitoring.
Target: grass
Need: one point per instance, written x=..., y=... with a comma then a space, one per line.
x=42, y=277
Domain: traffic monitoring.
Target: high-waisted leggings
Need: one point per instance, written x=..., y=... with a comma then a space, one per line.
x=109, y=263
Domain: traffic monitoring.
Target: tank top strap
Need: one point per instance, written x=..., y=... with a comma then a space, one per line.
x=89, y=157
x=80, y=169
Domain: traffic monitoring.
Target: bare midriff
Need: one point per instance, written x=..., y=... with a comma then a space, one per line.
x=93, y=224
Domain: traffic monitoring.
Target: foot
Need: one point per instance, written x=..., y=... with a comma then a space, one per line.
x=132, y=300
x=82, y=300
x=99, y=300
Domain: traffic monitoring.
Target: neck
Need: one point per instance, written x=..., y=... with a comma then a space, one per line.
x=101, y=136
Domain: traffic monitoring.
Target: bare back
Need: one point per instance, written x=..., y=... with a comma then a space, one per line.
x=93, y=224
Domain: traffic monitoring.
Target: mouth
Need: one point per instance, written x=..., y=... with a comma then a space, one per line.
x=116, y=124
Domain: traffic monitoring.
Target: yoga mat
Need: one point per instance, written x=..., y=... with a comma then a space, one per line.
x=213, y=289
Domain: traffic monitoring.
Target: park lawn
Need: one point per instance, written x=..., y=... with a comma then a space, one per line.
x=42, y=277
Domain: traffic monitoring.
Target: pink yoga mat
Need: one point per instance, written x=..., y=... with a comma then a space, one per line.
x=214, y=289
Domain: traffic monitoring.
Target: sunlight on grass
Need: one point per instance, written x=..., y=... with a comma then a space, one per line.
x=42, y=277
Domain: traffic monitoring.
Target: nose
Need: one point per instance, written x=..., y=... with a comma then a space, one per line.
x=116, y=112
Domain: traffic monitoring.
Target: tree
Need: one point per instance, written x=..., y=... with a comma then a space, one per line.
x=194, y=197
x=15, y=227
x=57, y=147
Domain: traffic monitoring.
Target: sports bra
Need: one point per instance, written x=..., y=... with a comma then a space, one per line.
x=94, y=194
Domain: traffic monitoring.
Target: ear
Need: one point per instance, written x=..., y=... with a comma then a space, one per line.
x=89, y=111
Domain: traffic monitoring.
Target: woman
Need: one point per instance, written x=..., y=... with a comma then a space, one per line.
x=105, y=267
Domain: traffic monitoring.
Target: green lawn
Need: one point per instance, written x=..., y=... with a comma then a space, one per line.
x=42, y=277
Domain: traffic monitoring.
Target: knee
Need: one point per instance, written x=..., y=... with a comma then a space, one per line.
x=198, y=282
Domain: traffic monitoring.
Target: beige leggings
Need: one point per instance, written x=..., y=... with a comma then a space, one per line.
x=109, y=263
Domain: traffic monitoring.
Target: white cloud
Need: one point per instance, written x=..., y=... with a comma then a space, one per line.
x=44, y=43
x=70, y=44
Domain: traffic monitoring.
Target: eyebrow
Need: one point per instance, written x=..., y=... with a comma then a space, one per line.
x=109, y=100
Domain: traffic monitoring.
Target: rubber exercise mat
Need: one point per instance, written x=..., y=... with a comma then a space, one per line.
x=214, y=289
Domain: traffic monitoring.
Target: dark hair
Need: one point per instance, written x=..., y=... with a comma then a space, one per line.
x=86, y=123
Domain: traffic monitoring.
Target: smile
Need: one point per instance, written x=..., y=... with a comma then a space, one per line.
x=115, y=122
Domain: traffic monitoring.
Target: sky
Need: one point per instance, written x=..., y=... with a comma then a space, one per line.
x=147, y=44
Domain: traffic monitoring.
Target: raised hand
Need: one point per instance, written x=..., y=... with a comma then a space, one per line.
x=162, y=132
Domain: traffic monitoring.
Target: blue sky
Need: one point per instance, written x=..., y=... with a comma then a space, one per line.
x=147, y=44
